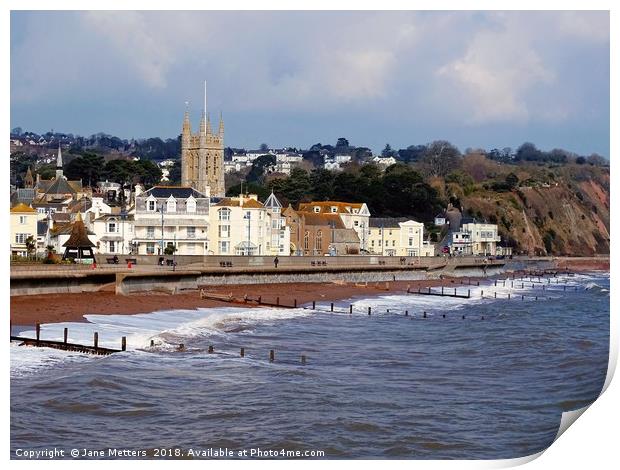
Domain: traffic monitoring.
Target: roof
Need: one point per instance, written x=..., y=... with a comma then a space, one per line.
x=60, y=186
x=80, y=206
x=325, y=206
x=104, y=217
x=178, y=192
x=272, y=202
x=247, y=202
x=79, y=235
x=22, y=208
x=386, y=222
x=327, y=220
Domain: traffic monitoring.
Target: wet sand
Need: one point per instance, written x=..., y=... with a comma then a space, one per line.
x=50, y=308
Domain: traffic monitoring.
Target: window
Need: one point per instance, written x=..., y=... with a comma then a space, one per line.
x=23, y=219
x=21, y=237
x=150, y=248
x=223, y=231
x=150, y=206
x=191, y=232
x=111, y=227
x=356, y=223
x=224, y=214
x=410, y=241
x=191, y=248
x=306, y=240
x=111, y=247
x=223, y=247
x=248, y=215
x=393, y=242
x=334, y=209
x=317, y=209
x=191, y=205
x=410, y=229
x=318, y=240
x=171, y=205
x=150, y=232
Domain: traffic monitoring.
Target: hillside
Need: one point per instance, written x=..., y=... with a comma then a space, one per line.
x=566, y=215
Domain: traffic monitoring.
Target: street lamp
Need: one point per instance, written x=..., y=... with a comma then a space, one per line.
x=161, y=210
x=123, y=218
x=247, y=216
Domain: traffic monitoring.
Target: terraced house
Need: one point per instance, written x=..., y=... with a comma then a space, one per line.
x=169, y=218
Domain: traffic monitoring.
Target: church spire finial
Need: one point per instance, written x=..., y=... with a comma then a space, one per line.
x=187, y=128
x=59, y=163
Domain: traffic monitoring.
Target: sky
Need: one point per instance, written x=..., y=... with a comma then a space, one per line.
x=477, y=79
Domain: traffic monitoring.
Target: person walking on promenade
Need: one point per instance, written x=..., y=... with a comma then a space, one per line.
x=275, y=262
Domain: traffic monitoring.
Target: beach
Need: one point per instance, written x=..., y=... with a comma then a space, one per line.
x=54, y=308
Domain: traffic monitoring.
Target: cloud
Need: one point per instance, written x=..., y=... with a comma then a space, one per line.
x=495, y=72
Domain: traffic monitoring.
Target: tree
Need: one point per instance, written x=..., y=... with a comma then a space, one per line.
x=387, y=151
x=342, y=143
x=259, y=166
x=322, y=182
x=580, y=160
x=528, y=152
x=174, y=173
x=264, y=147
x=512, y=180
x=440, y=158
x=31, y=244
x=87, y=168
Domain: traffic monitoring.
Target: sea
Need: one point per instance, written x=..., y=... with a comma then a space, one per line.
x=421, y=377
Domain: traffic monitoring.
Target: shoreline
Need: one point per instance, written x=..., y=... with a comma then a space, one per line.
x=56, y=308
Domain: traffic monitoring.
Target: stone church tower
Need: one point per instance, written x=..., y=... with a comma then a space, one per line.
x=202, y=155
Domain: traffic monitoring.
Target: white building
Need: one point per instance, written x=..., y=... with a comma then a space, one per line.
x=398, y=237
x=278, y=233
x=474, y=238
x=171, y=216
x=383, y=162
x=114, y=234
x=238, y=226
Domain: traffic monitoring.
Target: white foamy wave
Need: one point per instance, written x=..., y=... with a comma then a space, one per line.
x=167, y=329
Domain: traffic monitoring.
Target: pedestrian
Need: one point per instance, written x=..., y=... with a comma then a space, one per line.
x=275, y=262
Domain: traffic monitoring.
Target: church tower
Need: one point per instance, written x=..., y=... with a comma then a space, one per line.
x=202, y=155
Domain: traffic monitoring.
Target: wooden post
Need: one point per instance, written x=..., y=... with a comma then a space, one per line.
x=350, y=309
x=429, y=290
x=242, y=352
x=495, y=282
x=468, y=293
x=313, y=305
x=210, y=349
x=369, y=310
x=495, y=294
x=424, y=315
x=455, y=291
x=522, y=297
x=124, y=343
x=152, y=342
x=508, y=296
x=38, y=330
x=278, y=301
x=536, y=298
x=96, y=340
x=260, y=299
x=463, y=317
x=272, y=355
x=441, y=290
x=331, y=307
x=66, y=335
x=481, y=293
x=406, y=313
x=294, y=303
x=303, y=360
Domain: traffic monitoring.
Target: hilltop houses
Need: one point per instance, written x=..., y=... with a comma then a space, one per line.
x=475, y=238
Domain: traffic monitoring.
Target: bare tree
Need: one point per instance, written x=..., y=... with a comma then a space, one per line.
x=440, y=158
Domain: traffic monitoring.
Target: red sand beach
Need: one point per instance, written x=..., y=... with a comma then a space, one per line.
x=47, y=308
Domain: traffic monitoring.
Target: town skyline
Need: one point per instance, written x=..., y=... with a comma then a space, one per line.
x=373, y=88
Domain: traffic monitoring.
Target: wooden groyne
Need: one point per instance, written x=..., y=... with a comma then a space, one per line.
x=66, y=346
x=443, y=293
x=246, y=299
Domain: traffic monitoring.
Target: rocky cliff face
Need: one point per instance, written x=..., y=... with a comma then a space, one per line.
x=568, y=215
